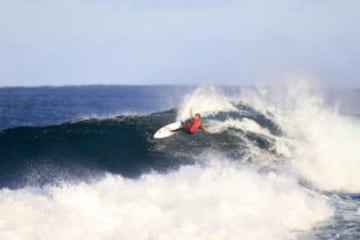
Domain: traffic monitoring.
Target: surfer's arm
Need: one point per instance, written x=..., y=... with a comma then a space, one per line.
x=204, y=128
x=191, y=113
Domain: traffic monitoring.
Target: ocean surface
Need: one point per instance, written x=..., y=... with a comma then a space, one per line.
x=277, y=163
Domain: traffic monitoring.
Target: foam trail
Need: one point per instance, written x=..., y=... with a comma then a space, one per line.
x=218, y=201
x=325, y=147
x=245, y=124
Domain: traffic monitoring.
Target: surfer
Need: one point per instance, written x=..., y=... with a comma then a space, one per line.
x=194, y=123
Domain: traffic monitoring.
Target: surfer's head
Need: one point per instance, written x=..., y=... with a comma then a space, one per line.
x=198, y=115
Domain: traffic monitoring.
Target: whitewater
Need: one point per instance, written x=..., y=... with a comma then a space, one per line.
x=277, y=164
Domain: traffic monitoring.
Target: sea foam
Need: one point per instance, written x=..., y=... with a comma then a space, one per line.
x=216, y=200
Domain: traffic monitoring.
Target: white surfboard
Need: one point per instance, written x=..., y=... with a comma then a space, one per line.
x=167, y=130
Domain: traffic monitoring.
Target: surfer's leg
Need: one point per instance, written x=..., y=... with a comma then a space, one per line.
x=176, y=130
x=182, y=126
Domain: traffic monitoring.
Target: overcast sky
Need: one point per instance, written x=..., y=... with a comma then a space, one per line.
x=66, y=42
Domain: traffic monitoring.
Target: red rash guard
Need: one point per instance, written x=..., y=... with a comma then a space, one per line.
x=193, y=127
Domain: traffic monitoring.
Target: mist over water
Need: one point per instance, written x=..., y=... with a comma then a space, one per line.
x=324, y=143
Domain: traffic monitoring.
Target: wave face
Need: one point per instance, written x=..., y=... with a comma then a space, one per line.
x=124, y=145
x=275, y=165
x=72, y=150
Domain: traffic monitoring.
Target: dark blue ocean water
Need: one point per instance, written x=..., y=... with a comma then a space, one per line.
x=53, y=105
x=85, y=156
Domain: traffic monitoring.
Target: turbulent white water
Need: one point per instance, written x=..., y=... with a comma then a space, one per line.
x=218, y=201
x=325, y=146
